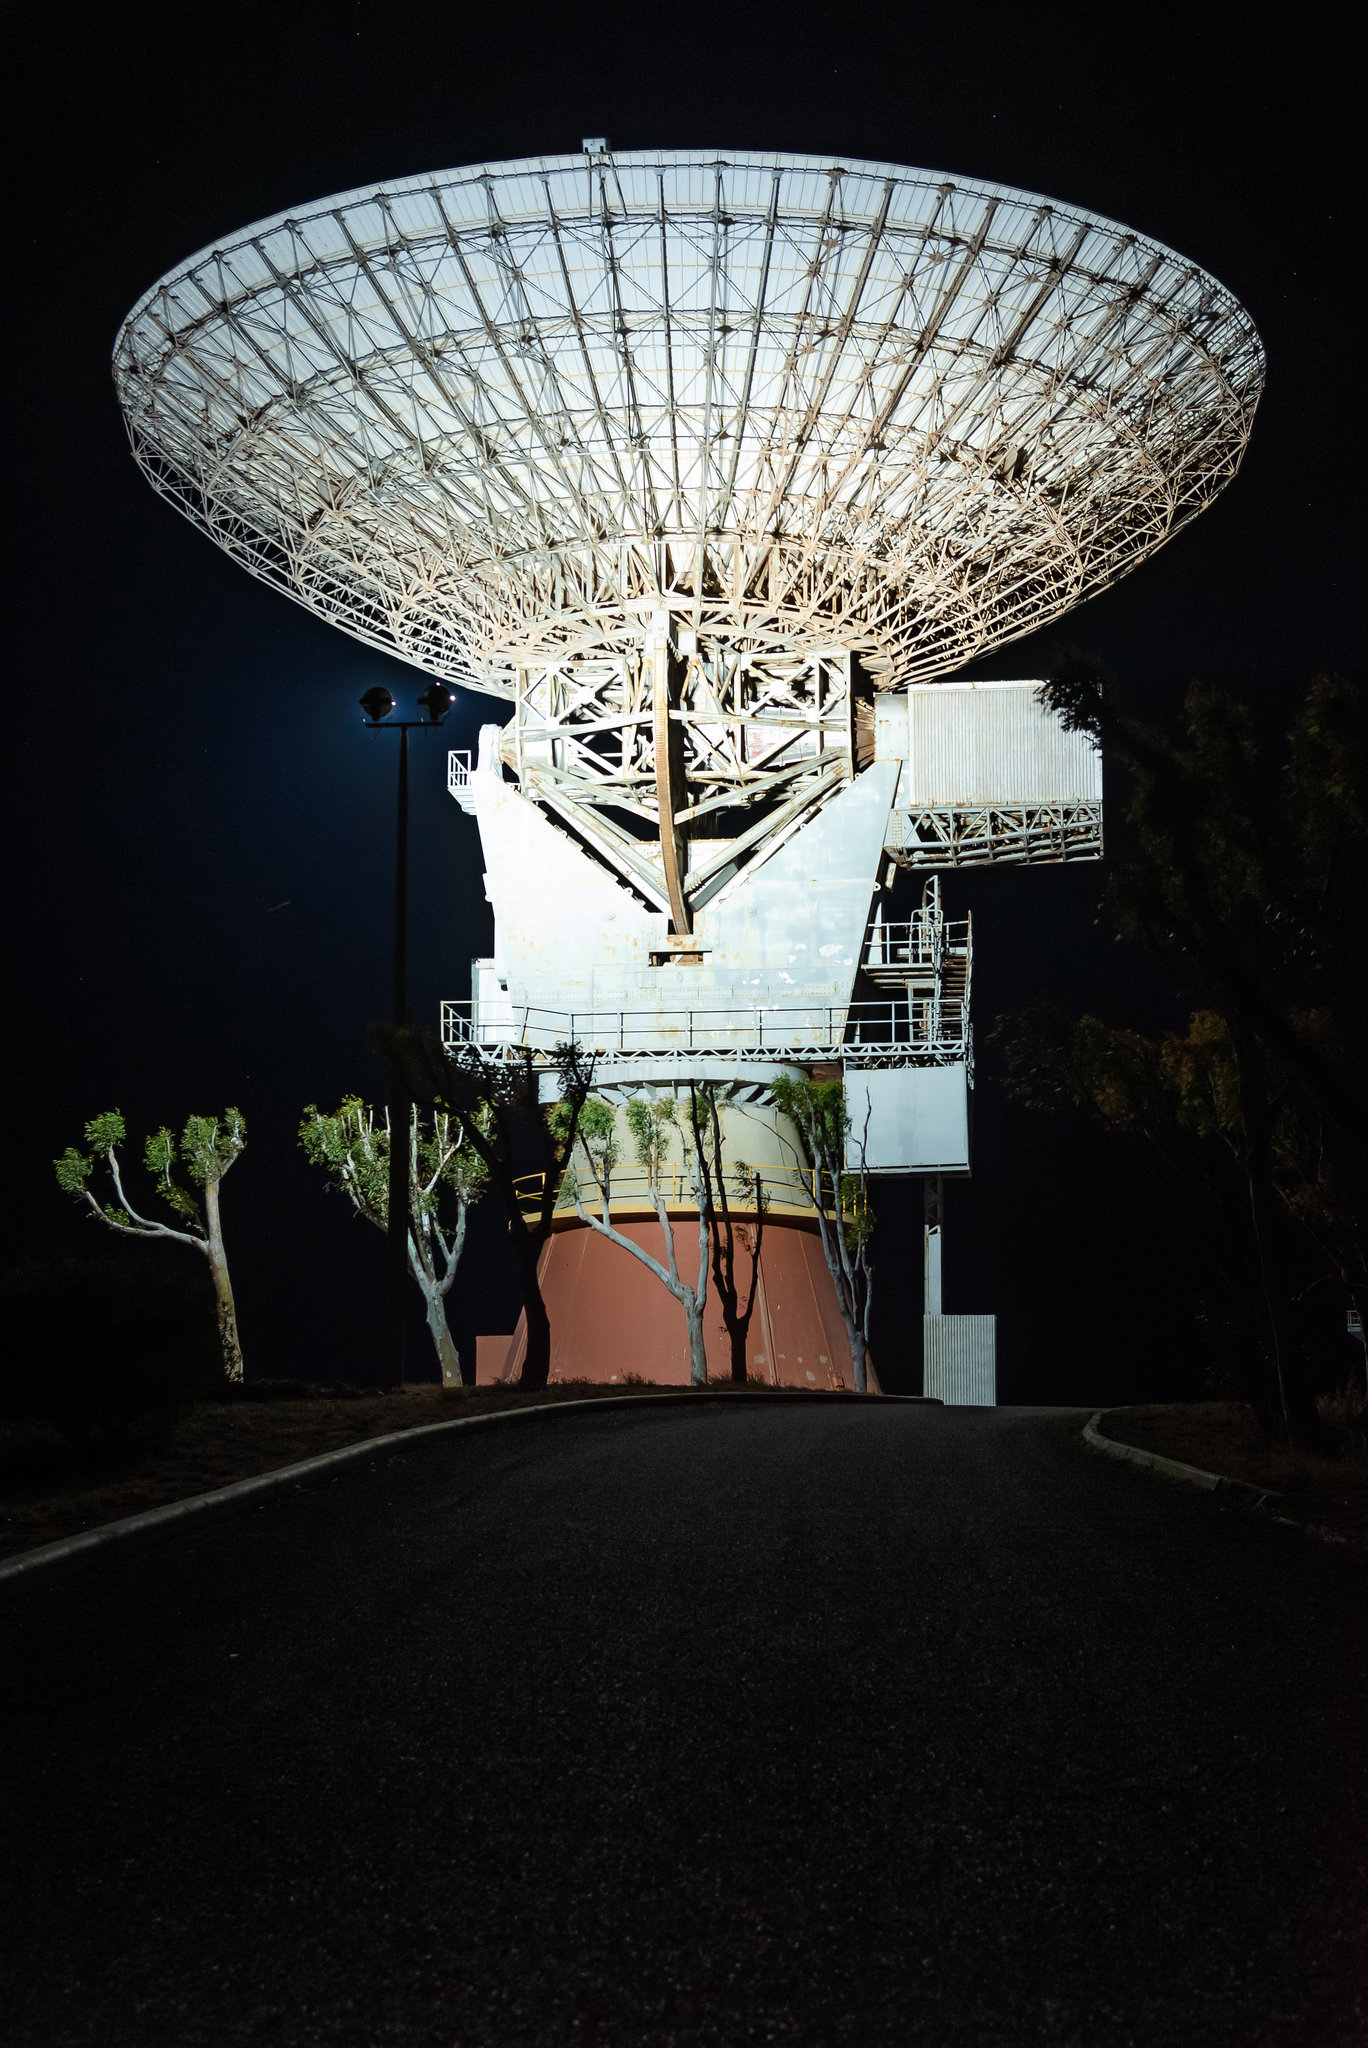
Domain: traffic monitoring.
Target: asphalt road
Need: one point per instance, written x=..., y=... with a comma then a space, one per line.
x=820, y=1725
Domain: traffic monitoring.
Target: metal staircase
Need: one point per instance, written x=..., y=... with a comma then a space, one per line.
x=929, y=957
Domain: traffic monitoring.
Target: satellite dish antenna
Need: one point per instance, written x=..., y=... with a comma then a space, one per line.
x=713, y=467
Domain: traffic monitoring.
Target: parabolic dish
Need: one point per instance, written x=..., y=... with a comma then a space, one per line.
x=500, y=414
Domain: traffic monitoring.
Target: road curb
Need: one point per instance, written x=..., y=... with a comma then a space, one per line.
x=225, y=1500
x=1173, y=1468
x=1264, y=1500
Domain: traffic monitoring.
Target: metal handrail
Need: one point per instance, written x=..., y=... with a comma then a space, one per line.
x=904, y=1018
x=920, y=941
x=785, y=1187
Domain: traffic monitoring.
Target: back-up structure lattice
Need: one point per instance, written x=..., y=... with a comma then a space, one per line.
x=488, y=417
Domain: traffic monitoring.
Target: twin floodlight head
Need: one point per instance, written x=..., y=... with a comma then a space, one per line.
x=434, y=703
x=377, y=704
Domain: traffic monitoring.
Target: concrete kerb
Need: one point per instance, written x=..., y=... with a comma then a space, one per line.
x=225, y=1500
x=1173, y=1468
x=1264, y=1500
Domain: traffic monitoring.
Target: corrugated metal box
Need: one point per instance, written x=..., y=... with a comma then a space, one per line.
x=959, y=1360
x=968, y=744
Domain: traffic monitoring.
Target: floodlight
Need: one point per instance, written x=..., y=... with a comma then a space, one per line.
x=377, y=703
x=436, y=701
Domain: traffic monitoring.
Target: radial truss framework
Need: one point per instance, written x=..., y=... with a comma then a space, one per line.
x=493, y=419
x=674, y=762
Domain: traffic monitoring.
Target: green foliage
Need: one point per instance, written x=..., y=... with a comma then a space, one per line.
x=1344, y=1415
x=1160, y=1089
x=560, y=1121
x=1247, y=888
x=106, y=1132
x=207, y=1148
x=210, y=1144
x=1214, y=869
x=159, y=1157
x=1078, y=693
x=353, y=1149
x=857, y=1212
x=1053, y=1061
x=73, y=1171
x=1327, y=772
x=349, y=1146
x=597, y=1139
x=650, y=1122
x=498, y=1107
x=597, y=1121
x=819, y=1110
x=159, y=1152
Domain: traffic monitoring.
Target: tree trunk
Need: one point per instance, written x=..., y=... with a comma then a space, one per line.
x=721, y=1245
x=223, y=1286
x=694, y=1302
x=867, y=1285
x=690, y=1299
x=736, y=1319
x=1298, y=1421
x=737, y=1339
x=857, y=1355
x=698, y=1354
x=536, y=1365
x=842, y=1279
x=440, y=1331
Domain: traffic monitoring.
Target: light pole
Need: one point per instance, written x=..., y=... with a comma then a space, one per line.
x=377, y=704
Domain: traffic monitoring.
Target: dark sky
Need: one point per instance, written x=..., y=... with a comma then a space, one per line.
x=198, y=829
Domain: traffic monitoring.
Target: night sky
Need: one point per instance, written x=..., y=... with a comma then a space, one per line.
x=199, y=832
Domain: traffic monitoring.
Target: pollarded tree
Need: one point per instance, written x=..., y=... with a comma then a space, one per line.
x=207, y=1148
x=705, y=1125
x=651, y=1124
x=818, y=1108
x=523, y=1143
x=445, y=1174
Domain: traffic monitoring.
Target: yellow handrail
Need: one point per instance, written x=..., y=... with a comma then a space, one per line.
x=630, y=1186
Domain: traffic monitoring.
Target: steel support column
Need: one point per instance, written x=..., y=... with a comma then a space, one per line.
x=933, y=1209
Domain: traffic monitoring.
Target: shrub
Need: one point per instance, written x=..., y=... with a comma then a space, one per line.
x=1345, y=1417
x=104, y=1349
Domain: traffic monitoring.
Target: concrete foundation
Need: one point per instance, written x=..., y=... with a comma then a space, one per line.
x=611, y=1316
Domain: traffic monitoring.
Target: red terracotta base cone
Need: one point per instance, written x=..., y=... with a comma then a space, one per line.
x=611, y=1317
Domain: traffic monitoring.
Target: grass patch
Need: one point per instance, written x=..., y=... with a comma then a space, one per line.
x=1224, y=1437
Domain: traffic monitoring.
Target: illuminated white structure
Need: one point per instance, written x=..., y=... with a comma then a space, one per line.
x=710, y=465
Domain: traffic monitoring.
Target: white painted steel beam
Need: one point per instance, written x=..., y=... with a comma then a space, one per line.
x=487, y=414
